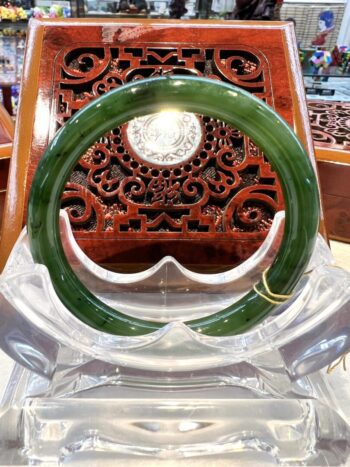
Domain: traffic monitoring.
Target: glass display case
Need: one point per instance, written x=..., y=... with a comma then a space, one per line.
x=137, y=8
x=12, y=45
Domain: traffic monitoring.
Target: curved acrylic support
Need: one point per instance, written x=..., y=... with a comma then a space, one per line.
x=169, y=291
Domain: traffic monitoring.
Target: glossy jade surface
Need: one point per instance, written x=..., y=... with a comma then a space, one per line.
x=199, y=95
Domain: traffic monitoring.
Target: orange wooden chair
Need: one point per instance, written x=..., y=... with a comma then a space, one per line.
x=7, y=129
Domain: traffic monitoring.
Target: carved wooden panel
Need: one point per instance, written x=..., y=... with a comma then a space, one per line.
x=225, y=189
x=212, y=208
x=330, y=124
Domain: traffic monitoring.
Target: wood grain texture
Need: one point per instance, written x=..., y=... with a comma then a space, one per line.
x=334, y=179
x=7, y=127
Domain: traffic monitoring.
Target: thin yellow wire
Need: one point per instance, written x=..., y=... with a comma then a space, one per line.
x=271, y=296
x=268, y=299
x=284, y=297
x=340, y=360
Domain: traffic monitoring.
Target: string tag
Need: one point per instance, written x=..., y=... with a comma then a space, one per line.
x=341, y=360
x=269, y=296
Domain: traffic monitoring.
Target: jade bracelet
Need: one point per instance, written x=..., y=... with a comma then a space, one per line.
x=219, y=100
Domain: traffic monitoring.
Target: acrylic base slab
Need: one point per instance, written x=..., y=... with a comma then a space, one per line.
x=228, y=417
x=275, y=430
x=86, y=396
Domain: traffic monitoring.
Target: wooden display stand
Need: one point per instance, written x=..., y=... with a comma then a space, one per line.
x=331, y=133
x=213, y=209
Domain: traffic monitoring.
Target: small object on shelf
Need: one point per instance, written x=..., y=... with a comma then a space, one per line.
x=137, y=7
x=12, y=13
x=54, y=11
x=326, y=25
x=336, y=56
x=177, y=9
x=320, y=62
x=321, y=59
x=345, y=63
x=14, y=31
x=340, y=57
x=8, y=61
x=14, y=98
x=313, y=91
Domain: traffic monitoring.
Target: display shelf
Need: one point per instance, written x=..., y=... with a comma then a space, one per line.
x=320, y=77
x=20, y=25
x=113, y=9
x=12, y=47
x=331, y=72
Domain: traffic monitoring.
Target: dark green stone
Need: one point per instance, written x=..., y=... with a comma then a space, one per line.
x=219, y=100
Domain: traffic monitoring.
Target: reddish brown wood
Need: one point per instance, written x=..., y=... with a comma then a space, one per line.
x=216, y=208
x=6, y=97
x=6, y=127
x=4, y=136
x=334, y=179
x=4, y=168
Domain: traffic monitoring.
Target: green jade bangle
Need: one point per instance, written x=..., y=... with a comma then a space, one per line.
x=202, y=96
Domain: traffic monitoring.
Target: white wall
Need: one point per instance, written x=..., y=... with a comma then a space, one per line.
x=344, y=33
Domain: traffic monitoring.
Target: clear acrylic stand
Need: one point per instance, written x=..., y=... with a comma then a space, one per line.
x=80, y=396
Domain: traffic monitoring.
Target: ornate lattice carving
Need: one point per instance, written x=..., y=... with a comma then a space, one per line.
x=226, y=188
x=330, y=124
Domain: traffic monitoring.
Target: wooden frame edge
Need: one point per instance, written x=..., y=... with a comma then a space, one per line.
x=14, y=205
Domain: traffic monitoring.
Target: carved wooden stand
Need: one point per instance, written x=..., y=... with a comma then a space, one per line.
x=212, y=209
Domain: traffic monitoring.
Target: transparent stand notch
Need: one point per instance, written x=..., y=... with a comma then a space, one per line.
x=85, y=395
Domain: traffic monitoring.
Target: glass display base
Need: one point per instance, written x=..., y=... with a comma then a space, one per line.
x=286, y=431
x=104, y=414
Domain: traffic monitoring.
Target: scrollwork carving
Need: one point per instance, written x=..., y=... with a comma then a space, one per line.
x=132, y=190
x=84, y=65
x=244, y=68
x=252, y=209
x=224, y=188
x=330, y=123
x=84, y=209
